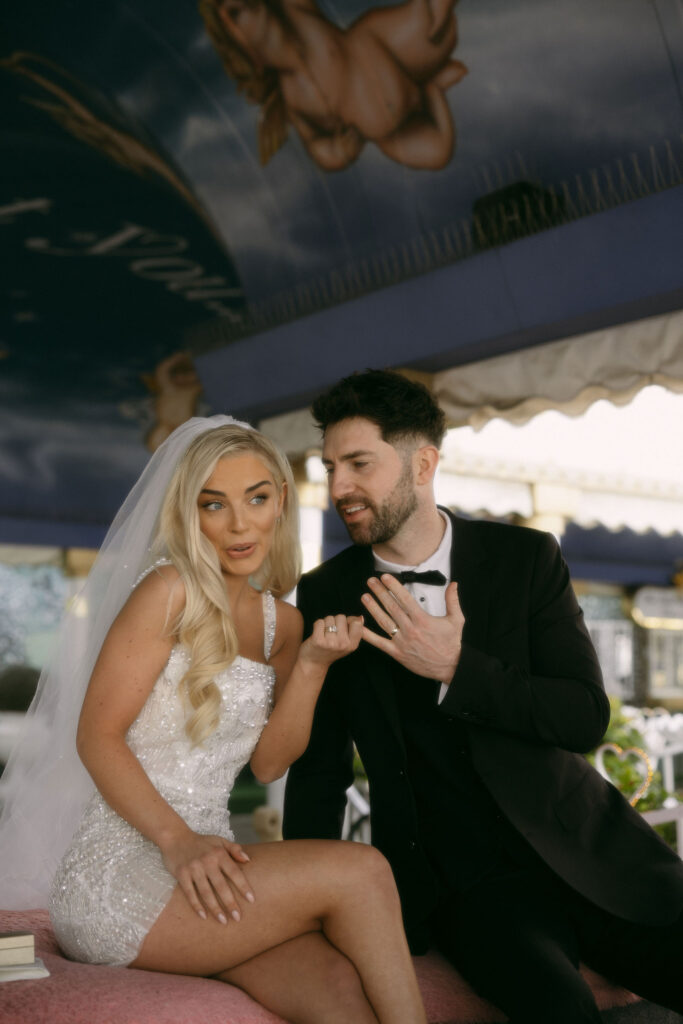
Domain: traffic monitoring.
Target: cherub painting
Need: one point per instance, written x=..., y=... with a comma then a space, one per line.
x=383, y=79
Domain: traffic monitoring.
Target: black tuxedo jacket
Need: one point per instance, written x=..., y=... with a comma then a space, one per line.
x=529, y=689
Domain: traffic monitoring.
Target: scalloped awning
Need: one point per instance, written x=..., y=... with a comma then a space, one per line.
x=614, y=465
x=568, y=375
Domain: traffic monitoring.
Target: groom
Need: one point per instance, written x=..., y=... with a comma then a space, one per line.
x=471, y=703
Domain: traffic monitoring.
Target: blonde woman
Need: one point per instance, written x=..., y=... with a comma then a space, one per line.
x=199, y=669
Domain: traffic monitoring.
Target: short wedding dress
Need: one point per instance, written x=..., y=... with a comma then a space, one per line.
x=111, y=884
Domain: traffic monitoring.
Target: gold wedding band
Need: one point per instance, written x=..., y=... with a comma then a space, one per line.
x=330, y=629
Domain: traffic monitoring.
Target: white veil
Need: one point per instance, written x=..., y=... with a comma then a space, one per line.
x=44, y=787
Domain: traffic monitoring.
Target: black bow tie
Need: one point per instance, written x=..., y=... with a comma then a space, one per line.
x=433, y=577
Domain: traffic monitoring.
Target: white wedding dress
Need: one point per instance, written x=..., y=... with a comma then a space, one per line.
x=111, y=884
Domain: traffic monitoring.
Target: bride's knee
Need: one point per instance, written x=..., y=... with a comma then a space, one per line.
x=371, y=869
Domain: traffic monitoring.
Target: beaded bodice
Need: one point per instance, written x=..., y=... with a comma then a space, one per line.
x=197, y=780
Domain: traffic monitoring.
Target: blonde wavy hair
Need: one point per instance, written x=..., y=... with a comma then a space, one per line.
x=205, y=625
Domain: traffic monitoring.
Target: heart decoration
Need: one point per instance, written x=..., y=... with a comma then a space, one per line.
x=644, y=766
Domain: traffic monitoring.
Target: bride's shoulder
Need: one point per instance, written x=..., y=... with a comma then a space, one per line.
x=161, y=582
x=163, y=567
x=289, y=621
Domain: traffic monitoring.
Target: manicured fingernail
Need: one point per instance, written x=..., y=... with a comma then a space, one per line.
x=222, y=918
x=202, y=914
x=236, y=915
x=246, y=855
x=249, y=896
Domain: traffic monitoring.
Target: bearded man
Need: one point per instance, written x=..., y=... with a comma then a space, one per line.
x=471, y=703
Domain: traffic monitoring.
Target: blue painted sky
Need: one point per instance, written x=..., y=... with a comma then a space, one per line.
x=554, y=90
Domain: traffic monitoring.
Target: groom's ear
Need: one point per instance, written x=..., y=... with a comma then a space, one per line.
x=426, y=461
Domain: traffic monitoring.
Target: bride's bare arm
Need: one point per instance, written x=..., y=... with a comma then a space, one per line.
x=300, y=671
x=135, y=651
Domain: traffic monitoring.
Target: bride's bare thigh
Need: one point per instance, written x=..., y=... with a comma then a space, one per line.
x=295, y=883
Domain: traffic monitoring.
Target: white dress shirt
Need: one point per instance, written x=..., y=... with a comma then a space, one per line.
x=431, y=598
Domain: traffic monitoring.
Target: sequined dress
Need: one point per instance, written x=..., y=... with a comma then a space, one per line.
x=111, y=884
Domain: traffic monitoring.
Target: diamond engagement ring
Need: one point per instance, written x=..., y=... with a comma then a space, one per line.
x=393, y=632
x=330, y=629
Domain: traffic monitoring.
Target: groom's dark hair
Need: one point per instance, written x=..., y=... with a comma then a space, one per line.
x=401, y=408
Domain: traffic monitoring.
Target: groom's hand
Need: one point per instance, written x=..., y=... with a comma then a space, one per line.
x=428, y=645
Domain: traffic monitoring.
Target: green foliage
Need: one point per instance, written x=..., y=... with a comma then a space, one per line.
x=624, y=772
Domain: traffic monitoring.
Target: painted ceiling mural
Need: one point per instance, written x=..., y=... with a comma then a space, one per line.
x=177, y=177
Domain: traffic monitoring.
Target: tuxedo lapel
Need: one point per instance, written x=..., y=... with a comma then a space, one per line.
x=376, y=665
x=470, y=569
x=354, y=581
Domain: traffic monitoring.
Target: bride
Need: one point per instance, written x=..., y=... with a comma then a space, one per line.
x=193, y=666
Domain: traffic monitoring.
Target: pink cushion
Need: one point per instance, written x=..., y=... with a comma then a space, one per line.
x=448, y=999
x=84, y=994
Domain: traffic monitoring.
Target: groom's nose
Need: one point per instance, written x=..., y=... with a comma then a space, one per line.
x=339, y=482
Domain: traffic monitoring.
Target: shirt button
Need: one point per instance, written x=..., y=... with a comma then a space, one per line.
x=401, y=772
x=412, y=845
x=422, y=599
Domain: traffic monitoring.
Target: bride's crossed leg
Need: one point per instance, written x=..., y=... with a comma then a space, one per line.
x=306, y=981
x=326, y=920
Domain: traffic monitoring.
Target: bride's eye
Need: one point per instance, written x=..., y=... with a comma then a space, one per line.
x=212, y=506
x=258, y=499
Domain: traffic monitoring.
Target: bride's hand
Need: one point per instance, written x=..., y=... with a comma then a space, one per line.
x=207, y=870
x=333, y=637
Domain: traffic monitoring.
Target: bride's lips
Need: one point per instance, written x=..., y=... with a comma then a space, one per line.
x=240, y=550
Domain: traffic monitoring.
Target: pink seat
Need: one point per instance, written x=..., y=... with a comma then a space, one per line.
x=85, y=994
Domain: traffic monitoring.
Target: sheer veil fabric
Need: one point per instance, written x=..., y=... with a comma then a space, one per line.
x=44, y=787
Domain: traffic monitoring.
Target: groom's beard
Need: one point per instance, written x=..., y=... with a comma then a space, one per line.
x=386, y=519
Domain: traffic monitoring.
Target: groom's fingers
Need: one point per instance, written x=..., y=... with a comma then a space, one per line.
x=381, y=642
x=395, y=591
x=355, y=628
x=387, y=622
x=398, y=602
